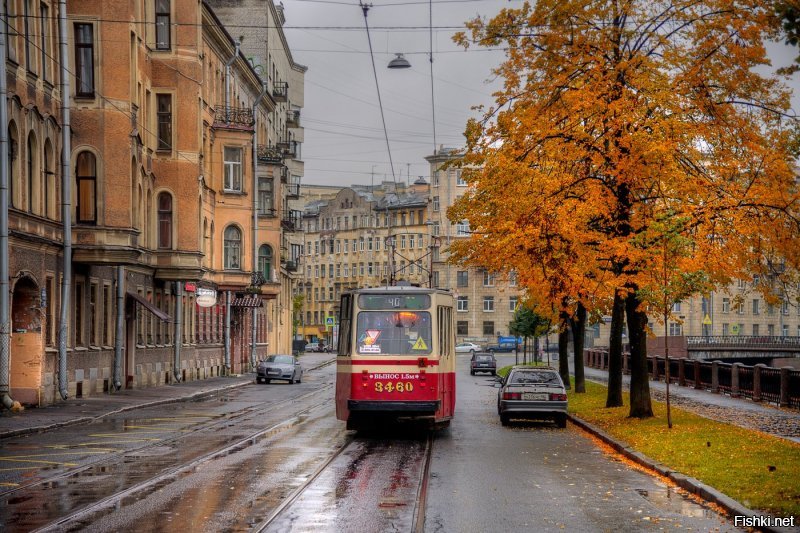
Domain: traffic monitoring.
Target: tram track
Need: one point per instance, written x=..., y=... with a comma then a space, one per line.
x=365, y=481
x=165, y=476
x=243, y=415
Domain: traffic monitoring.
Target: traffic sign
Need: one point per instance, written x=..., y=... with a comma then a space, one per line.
x=330, y=322
x=735, y=329
x=707, y=320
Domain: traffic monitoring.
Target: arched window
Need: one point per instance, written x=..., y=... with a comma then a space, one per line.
x=164, y=220
x=13, y=175
x=232, y=248
x=49, y=181
x=86, y=177
x=265, y=261
x=32, y=168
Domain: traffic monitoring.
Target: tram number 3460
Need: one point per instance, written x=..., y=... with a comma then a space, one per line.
x=398, y=386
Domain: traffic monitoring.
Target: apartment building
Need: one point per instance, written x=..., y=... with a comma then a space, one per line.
x=363, y=236
x=485, y=301
x=171, y=122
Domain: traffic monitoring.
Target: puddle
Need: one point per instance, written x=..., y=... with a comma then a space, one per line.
x=671, y=500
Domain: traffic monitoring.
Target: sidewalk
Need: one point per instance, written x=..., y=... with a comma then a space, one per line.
x=742, y=412
x=79, y=410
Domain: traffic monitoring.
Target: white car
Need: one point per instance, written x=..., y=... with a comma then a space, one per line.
x=468, y=347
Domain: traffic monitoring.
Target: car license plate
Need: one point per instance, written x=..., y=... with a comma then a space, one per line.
x=534, y=395
x=483, y=364
x=274, y=372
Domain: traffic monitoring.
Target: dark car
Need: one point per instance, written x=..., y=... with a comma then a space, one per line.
x=532, y=393
x=502, y=347
x=483, y=362
x=284, y=367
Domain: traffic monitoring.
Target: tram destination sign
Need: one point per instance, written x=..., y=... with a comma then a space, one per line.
x=394, y=301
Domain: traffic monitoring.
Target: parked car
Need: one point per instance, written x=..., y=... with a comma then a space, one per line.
x=483, y=362
x=468, y=347
x=532, y=393
x=317, y=346
x=283, y=367
x=502, y=347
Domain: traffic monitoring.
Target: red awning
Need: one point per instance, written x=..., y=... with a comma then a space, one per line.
x=150, y=307
x=247, y=301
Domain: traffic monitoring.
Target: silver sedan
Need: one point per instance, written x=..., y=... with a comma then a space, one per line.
x=532, y=393
x=283, y=367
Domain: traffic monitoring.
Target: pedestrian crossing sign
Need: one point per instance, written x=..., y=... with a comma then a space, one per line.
x=330, y=321
x=420, y=345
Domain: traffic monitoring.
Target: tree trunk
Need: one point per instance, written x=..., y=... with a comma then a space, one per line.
x=525, y=351
x=536, y=355
x=640, y=382
x=614, y=398
x=563, y=349
x=578, y=324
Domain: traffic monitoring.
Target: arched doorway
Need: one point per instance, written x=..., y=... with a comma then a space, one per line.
x=27, y=348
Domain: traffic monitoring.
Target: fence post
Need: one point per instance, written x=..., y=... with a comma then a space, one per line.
x=697, y=378
x=682, y=372
x=655, y=368
x=757, y=381
x=735, y=380
x=715, y=377
x=785, y=386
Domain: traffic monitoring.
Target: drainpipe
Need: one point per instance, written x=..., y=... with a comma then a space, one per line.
x=5, y=326
x=66, y=201
x=120, y=336
x=228, y=64
x=227, y=333
x=176, y=363
x=255, y=221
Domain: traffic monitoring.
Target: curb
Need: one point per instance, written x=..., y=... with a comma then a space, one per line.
x=83, y=420
x=689, y=484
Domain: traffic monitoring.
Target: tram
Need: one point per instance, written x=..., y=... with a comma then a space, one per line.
x=396, y=357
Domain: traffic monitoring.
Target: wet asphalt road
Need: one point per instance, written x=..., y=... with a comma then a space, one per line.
x=535, y=477
x=484, y=477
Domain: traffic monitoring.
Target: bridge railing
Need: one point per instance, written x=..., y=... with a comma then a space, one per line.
x=761, y=383
x=742, y=341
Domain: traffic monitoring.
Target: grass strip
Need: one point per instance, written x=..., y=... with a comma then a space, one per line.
x=756, y=469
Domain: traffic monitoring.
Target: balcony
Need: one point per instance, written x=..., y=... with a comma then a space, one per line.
x=269, y=154
x=293, y=118
x=284, y=175
x=280, y=91
x=293, y=189
x=233, y=117
x=290, y=265
x=289, y=149
x=291, y=220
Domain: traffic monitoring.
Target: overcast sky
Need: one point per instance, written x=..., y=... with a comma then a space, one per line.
x=344, y=139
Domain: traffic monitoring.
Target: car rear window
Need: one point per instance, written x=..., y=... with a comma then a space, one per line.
x=524, y=377
x=484, y=358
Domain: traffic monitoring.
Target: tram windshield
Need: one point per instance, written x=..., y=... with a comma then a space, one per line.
x=394, y=332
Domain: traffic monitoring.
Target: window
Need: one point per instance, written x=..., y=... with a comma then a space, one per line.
x=27, y=23
x=32, y=168
x=164, y=118
x=460, y=181
x=78, y=313
x=488, y=304
x=93, y=315
x=462, y=302
x=488, y=279
x=86, y=177
x=488, y=328
x=84, y=60
x=435, y=204
x=726, y=329
x=435, y=179
x=10, y=30
x=462, y=327
x=512, y=303
x=164, y=221
x=755, y=307
x=785, y=307
x=232, y=240
x=726, y=305
x=162, y=25
x=108, y=306
x=233, y=169
x=462, y=229
x=755, y=329
x=44, y=40
x=512, y=278
x=771, y=330
x=675, y=329
x=676, y=307
x=265, y=261
x=435, y=229
x=265, y=196
x=462, y=278
x=435, y=279
x=785, y=330
x=50, y=311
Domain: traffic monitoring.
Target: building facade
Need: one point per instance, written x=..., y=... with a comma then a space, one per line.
x=178, y=270
x=485, y=301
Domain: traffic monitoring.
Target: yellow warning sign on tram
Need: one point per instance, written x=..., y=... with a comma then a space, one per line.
x=420, y=345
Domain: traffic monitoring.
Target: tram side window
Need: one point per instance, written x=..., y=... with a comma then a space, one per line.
x=394, y=332
x=345, y=325
x=445, y=330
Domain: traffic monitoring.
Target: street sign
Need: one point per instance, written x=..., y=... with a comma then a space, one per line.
x=330, y=321
x=735, y=329
x=707, y=320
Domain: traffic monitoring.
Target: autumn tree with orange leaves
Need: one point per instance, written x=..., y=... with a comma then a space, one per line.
x=613, y=116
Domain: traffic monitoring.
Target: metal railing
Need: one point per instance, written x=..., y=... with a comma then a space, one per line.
x=234, y=116
x=761, y=383
x=280, y=91
x=743, y=341
x=291, y=220
x=269, y=154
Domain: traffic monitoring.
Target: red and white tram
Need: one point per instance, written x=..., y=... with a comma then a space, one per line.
x=396, y=357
